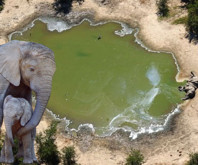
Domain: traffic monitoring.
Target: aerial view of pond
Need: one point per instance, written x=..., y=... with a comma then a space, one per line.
x=105, y=79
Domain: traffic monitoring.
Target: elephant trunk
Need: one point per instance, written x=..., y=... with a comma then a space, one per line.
x=8, y=126
x=42, y=97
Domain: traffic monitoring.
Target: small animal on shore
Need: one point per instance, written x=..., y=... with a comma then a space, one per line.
x=17, y=112
x=190, y=87
x=189, y=90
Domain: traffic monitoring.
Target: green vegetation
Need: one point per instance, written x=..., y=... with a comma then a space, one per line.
x=1, y=141
x=47, y=150
x=182, y=20
x=69, y=156
x=192, y=19
x=64, y=6
x=193, y=159
x=188, y=1
x=192, y=23
x=163, y=10
x=1, y=4
x=135, y=158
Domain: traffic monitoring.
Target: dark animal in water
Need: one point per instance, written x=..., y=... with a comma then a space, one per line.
x=99, y=37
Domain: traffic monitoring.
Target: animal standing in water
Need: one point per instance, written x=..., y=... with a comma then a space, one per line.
x=99, y=37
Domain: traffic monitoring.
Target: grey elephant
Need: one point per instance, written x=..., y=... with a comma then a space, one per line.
x=190, y=87
x=17, y=112
x=26, y=67
x=193, y=79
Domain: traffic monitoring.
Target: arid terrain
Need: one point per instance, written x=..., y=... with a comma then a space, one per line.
x=169, y=147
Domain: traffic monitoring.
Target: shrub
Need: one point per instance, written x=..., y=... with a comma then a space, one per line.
x=188, y=1
x=1, y=4
x=135, y=158
x=47, y=149
x=68, y=156
x=163, y=8
x=192, y=23
x=1, y=140
x=182, y=20
x=193, y=159
x=62, y=6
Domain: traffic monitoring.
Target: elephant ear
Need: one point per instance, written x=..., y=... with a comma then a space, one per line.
x=10, y=56
x=7, y=99
x=27, y=112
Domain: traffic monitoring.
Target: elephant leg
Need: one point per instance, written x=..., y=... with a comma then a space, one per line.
x=186, y=98
x=33, y=139
x=180, y=88
x=27, y=148
x=189, y=96
x=9, y=158
x=20, y=150
x=4, y=84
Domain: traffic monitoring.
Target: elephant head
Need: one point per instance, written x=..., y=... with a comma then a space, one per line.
x=14, y=110
x=32, y=64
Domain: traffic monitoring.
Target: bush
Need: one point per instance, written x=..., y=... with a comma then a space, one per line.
x=188, y=1
x=47, y=149
x=1, y=140
x=193, y=159
x=192, y=23
x=1, y=4
x=64, y=6
x=163, y=8
x=135, y=158
x=68, y=156
x=182, y=20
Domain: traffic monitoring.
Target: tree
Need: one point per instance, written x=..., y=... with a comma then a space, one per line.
x=1, y=4
x=135, y=158
x=193, y=159
x=64, y=6
x=188, y=1
x=192, y=22
x=68, y=156
x=47, y=149
x=163, y=8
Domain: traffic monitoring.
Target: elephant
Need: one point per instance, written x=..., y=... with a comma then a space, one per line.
x=17, y=112
x=194, y=80
x=26, y=67
x=190, y=87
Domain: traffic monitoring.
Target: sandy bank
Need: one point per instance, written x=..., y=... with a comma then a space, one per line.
x=162, y=148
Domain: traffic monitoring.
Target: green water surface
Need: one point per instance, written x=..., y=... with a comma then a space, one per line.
x=105, y=82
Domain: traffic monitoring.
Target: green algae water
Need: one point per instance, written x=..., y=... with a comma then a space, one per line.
x=105, y=79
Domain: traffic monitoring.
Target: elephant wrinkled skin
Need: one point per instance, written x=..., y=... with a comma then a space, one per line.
x=26, y=67
x=17, y=112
